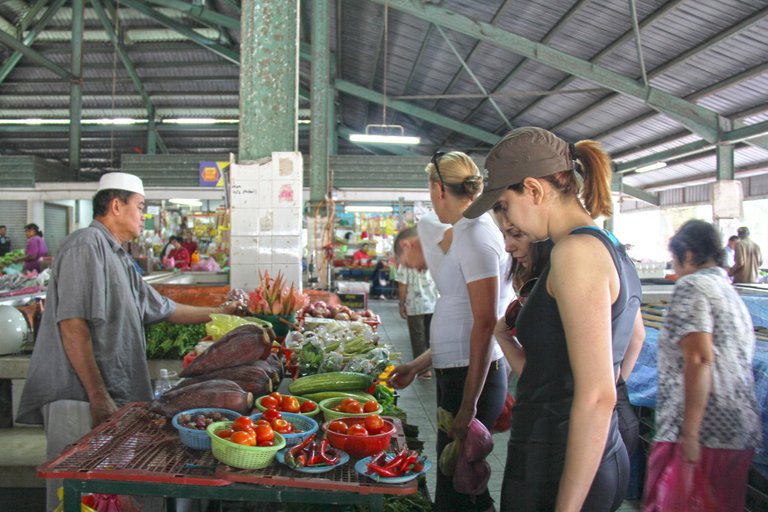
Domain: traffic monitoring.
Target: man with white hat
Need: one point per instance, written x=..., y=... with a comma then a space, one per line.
x=89, y=357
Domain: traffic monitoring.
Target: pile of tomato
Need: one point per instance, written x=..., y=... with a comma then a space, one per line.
x=287, y=403
x=373, y=425
x=246, y=432
x=352, y=406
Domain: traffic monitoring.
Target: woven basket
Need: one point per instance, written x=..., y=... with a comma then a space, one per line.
x=238, y=455
x=195, y=438
x=328, y=404
x=308, y=425
x=301, y=401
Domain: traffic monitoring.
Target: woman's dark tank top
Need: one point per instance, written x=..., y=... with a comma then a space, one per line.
x=545, y=388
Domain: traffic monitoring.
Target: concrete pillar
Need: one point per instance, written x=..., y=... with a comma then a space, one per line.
x=75, y=91
x=321, y=56
x=268, y=77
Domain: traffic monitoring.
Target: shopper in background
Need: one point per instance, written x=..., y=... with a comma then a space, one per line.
x=189, y=243
x=418, y=295
x=89, y=357
x=36, y=248
x=730, y=252
x=706, y=408
x=565, y=452
x=747, y=259
x=471, y=375
x=5, y=242
x=179, y=254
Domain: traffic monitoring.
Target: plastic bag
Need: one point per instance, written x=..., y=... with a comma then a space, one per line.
x=504, y=421
x=682, y=487
x=472, y=471
x=206, y=265
x=332, y=362
x=449, y=457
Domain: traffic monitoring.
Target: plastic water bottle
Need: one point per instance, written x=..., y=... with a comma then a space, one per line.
x=162, y=384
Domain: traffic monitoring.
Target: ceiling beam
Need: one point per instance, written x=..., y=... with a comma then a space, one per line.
x=15, y=57
x=221, y=50
x=699, y=120
x=199, y=12
x=32, y=55
x=709, y=43
x=418, y=112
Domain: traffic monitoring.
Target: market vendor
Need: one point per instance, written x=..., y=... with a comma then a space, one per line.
x=89, y=356
x=361, y=255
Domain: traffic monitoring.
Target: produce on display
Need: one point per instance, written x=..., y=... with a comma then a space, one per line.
x=249, y=377
x=333, y=381
x=242, y=345
x=245, y=432
x=11, y=258
x=200, y=421
x=312, y=452
x=273, y=297
x=219, y=393
x=395, y=465
x=320, y=309
x=221, y=324
x=324, y=395
x=286, y=403
x=356, y=440
x=172, y=341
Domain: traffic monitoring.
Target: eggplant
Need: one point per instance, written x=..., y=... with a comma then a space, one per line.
x=240, y=346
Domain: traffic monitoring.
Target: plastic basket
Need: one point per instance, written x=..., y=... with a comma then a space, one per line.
x=301, y=401
x=195, y=438
x=238, y=455
x=308, y=425
x=328, y=404
x=360, y=446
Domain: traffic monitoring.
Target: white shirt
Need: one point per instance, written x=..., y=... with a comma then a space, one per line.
x=431, y=232
x=477, y=252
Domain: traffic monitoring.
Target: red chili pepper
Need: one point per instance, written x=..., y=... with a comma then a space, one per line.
x=324, y=456
x=382, y=471
x=407, y=461
x=300, y=447
x=395, y=463
x=379, y=459
x=314, y=456
x=301, y=460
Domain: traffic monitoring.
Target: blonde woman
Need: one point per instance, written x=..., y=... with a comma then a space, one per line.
x=470, y=373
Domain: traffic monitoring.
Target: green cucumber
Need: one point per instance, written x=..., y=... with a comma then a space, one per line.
x=331, y=381
x=322, y=395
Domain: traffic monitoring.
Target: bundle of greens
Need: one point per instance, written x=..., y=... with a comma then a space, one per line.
x=171, y=341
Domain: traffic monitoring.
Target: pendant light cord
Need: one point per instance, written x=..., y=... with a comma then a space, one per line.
x=386, y=39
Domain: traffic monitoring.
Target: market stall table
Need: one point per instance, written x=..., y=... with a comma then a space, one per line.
x=135, y=453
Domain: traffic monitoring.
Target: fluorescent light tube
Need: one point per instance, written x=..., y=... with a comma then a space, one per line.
x=652, y=167
x=383, y=139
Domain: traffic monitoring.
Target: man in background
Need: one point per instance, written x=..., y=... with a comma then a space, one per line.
x=748, y=259
x=730, y=251
x=5, y=242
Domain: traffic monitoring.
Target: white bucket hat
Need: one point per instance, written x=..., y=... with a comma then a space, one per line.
x=121, y=181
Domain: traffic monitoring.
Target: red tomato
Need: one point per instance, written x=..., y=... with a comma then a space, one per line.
x=269, y=402
x=241, y=437
x=371, y=406
x=242, y=423
x=262, y=422
x=280, y=426
x=264, y=434
x=271, y=414
x=353, y=408
x=266, y=443
x=290, y=404
x=357, y=430
x=373, y=423
x=338, y=426
x=307, y=406
x=277, y=396
x=349, y=401
x=224, y=433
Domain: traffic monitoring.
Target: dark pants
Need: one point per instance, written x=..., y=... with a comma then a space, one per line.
x=533, y=470
x=629, y=424
x=450, y=386
x=418, y=329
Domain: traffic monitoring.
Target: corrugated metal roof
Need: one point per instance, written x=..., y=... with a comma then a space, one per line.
x=717, y=39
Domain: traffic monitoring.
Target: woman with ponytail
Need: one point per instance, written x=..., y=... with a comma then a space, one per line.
x=565, y=452
x=470, y=373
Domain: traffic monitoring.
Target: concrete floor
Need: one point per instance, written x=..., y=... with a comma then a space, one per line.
x=24, y=447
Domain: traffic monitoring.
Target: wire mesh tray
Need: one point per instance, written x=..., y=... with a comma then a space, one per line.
x=134, y=445
x=343, y=478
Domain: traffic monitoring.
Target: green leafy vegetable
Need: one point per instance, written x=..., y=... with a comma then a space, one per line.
x=172, y=341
